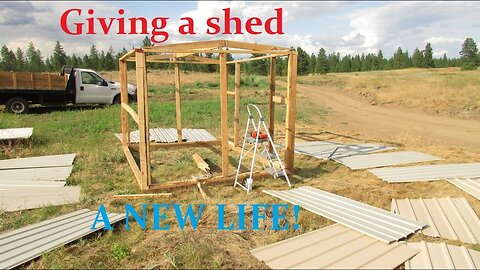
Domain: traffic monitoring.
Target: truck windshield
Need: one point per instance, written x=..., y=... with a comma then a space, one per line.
x=91, y=78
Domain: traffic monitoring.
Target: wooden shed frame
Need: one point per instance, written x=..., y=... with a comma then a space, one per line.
x=189, y=53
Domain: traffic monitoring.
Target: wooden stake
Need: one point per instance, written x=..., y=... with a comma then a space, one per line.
x=124, y=98
x=144, y=142
x=204, y=191
x=177, y=103
x=224, y=111
x=291, y=112
x=201, y=164
x=271, y=107
x=139, y=196
x=236, y=117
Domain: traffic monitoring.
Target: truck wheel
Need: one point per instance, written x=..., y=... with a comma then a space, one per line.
x=17, y=105
x=116, y=100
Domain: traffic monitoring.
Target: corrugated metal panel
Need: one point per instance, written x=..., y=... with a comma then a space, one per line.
x=37, y=162
x=384, y=159
x=372, y=221
x=333, y=247
x=15, y=133
x=22, y=245
x=443, y=256
x=447, y=218
x=28, y=198
x=9, y=185
x=469, y=185
x=427, y=172
x=37, y=174
x=169, y=135
x=323, y=149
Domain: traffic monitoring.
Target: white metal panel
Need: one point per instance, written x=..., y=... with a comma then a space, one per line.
x=37, y=174
x=469, y=185
x=28, y=198
x=333, y=247
x=169, y=135
x=15, y=133
x=9, y=185
x=451, y=218
x=22, y=245
x=384, y=159
x=37, y=162
x=324, y=149
x=443, y=256
x=427, y=172
x=369, y=220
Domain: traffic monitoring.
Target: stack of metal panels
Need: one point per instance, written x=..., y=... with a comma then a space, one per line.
x=333, y=150
x=443, y=256
x=169, y=135
x=384, y=159
x=25, y=244
x=33, y=182
x=469, y=185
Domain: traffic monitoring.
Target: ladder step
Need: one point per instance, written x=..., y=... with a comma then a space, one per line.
x=272, y=156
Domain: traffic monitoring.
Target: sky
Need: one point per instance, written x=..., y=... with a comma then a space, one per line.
x=346, y=27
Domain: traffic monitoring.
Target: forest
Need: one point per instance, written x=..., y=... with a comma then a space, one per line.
x=32, y=60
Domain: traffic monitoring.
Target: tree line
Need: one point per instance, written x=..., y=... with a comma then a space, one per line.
x=32, y=60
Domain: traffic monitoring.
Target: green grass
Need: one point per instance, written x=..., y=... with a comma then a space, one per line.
x=101, y=170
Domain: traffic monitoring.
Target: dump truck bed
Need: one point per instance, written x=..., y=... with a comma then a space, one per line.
x=32, y=81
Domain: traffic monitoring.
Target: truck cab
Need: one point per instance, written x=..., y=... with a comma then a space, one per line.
x=91, y=88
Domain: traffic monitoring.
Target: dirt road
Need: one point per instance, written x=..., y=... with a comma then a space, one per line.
x=346, y=113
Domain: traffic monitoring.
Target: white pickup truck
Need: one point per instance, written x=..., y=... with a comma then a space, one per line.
x=19, y=90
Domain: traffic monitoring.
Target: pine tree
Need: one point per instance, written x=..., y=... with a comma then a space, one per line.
x=469, y=54
x=35, y=62
x=312, y=60
x=20, y=57
x=146, y=42
x=93, y=57
x=322, y=62
x=109, y=62
x=417, y=58
x=303, y=64
x=428, y=56
x=8, y=62
x=59, y=57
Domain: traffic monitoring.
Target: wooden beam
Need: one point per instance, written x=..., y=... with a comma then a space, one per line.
x=280, y=99
x=201, y=164
x=144, y=149
x=224, y=111
x=127, y=55
x=271, y=104
x=231, y=93
x=155, y=146
x=122, y=65
x=178, y=110
x=255, y=58
x=252, y=46
x=236, y=116
x=182, y=62
x=219, y=51
x=183, y=46
x=139, y=196
x=130, y=111
x=218, y=180
x=133, y=164
x=202, y=59
x=204, y=191
x=291, y=112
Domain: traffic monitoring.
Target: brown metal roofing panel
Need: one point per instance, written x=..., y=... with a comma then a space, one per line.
x=469, y=185
x=27, y=243
x=335, y=246
x=442, y=256
x=30, y=198
x=451, y=218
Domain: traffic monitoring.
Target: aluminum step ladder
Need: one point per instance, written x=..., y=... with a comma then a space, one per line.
x=272, y=159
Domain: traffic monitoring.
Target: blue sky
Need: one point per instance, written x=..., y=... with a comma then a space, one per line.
x=345, y=27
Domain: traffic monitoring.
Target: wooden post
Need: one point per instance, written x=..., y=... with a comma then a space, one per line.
x=224, y=111
x=49, y=81
x=144, y=143
x=177, y=103
x=291, y=112
x=236, y=124
x=271, y=104
x=14, y=78
x=124, y=97
x=33, y=80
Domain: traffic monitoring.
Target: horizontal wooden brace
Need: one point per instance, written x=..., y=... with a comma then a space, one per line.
x=231, y=93
x=154, y=146
x=279, y=99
